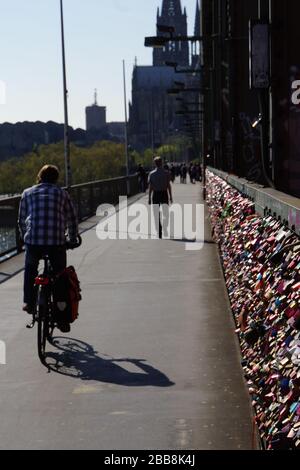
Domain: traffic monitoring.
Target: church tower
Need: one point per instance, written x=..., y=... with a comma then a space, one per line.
x=95, y=115
x=172, y=15
x=196, y=48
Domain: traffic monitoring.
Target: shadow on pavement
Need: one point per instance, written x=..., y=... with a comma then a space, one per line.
x=77, y=359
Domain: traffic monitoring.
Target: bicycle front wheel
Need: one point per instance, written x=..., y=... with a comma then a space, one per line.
x=43, y=324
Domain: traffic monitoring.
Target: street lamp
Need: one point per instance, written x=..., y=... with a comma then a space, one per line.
x=180, y=85
x=171, y=64
x=176, y=91
x=183, y=112
x=161, y=41
x=185, y=71
x=126, y=132
x=68, y=176
x=257, y=121
x=187, y=103
x=161, y=28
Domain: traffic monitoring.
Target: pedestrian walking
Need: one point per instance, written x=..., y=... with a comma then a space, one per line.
x=160, y=194
x=142, y=178
x=173, y=173
x=183, y=173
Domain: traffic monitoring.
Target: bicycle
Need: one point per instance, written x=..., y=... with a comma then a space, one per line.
x=43, y=313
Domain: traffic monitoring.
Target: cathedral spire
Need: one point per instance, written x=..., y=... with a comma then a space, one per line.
x=197, y=20
x=171, y=8
x=196, y=49
x=172, y=15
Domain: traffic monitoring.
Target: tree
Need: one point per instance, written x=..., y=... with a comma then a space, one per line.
x=101, y=161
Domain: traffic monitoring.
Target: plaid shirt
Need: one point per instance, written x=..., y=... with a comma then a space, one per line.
x=46, y=213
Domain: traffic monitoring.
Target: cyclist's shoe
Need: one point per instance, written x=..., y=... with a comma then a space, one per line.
x=64, y=327
x=28, y=309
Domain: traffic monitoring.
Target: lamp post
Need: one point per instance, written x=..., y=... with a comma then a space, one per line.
x=126, y=131
x=161, y=41
x=174, y=65
x=176, y=91
x=68, y=176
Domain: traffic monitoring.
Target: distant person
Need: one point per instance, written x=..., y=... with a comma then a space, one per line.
x=46, y=213
x=193, y=174
x=142, y=178
x=190, y=171
x=198, y=172
x=180, y=172
x=160, y=190
x=173, y=173
x=183, y=173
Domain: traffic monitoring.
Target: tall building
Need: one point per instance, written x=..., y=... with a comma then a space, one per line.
x=172, y=15
x=95, y=116
x=152, y=117
x=152, y=111
x=267, y=153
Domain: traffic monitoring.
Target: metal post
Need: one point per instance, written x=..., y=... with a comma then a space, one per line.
x=68, y=177
x=152, y=124
x=126, y=130
x=272, y=154
x=265, y=105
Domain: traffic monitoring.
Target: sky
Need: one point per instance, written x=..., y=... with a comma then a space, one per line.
x=99, y=35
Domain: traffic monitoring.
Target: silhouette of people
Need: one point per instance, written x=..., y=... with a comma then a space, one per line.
x=192, y=173
x=183, y=173
x=173, y=173
x=198, y=172
x=142, y=178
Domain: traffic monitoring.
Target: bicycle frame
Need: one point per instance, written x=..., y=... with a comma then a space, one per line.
x=43, y=311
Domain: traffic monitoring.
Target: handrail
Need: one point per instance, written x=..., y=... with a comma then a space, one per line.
x=86, y=197
x=267, y=200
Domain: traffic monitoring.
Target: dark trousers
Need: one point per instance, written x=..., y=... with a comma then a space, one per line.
x=161, y=198
x=58, y=259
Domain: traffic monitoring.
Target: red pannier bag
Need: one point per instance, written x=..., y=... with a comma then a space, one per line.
x=67, y=295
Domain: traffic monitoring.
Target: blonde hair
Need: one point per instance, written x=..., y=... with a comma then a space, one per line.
x=158, y=161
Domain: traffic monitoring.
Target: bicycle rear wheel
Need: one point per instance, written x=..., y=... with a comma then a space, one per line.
x=43, y=323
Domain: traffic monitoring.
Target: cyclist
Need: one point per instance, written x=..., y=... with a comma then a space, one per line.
x=46, y=219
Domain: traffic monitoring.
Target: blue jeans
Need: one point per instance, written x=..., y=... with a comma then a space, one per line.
x=34, y=253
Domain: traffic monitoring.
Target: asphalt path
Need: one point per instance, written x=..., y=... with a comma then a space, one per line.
x=152, y=362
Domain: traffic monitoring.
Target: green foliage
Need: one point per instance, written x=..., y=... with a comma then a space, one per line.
x=145, y=159
x=101, y=161
x=168, y=152
x=175, y=149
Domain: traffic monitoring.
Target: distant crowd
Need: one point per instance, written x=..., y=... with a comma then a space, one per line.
x=182, y=171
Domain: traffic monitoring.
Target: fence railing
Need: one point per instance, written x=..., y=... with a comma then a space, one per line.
x=267, y=200
x=86, y=197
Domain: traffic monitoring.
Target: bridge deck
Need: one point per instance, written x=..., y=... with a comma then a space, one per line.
x=153, y=364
